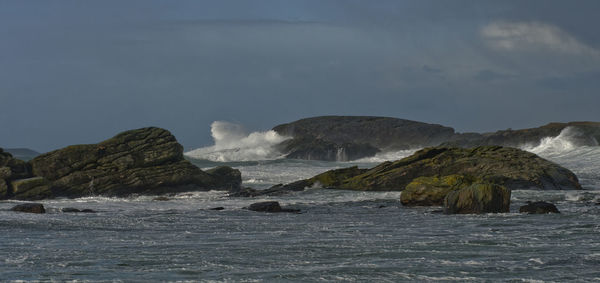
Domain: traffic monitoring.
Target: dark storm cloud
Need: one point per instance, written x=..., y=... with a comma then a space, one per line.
x=79, y=71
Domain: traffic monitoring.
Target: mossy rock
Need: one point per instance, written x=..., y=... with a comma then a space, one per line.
x=509, y=167
x=478, y=198
x=431, y=191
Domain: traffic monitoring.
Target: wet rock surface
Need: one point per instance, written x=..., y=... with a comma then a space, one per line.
x=538, y=207
x=29, y=208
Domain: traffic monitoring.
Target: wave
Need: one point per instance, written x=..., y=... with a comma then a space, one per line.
x=234, y=143
x=386, y=156
x=570, y=139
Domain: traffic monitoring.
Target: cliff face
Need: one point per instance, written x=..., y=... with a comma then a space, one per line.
x=352, y=137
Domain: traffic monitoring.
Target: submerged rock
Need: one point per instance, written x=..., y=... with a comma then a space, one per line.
x=269, y=206
x=509, y=167
x=538, y=207
x=478, y=198
x=76, y=210
x=142, y=161
x=30, y=208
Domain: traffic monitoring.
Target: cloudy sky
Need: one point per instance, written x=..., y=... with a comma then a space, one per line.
x=81, y=71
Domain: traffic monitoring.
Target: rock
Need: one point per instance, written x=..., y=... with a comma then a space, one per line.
x=344, y=138
x=161, y=199
x=269, y=206
x=70, y=209
x=226, y=177
x=11, y=169
x=31, y=189
x=478, y=198
x=217, y=208
x=30, y=208
x=431, y=191
x=509, y=167
x=538, y=207
x=3, y=189
x=143, y=161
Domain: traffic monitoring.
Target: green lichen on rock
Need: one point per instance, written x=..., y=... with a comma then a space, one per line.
x=430, y=191
x=510, y=167
x=478, y=198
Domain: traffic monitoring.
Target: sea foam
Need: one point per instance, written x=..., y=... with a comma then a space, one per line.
x=234, y=143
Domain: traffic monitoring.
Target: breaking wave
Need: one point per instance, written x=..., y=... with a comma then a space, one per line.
x=570, y=139
x=234, y=143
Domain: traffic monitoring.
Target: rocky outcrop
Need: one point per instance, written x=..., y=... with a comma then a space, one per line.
x=269, y=206
x=509, y=167
x=29, y=208
x=538, y=207
x=344, y=138
x=478, y=198
x=142, y=161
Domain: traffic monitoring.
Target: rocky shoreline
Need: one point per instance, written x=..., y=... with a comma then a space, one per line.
x=149, y=161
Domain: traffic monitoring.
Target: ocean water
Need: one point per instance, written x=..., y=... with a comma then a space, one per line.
x=339, y=236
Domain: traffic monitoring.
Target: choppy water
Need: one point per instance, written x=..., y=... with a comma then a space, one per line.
x=339, y=236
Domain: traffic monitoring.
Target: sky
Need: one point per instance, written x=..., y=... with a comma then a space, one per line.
x=74, y=72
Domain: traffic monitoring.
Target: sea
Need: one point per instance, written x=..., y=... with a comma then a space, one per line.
x=339, y=236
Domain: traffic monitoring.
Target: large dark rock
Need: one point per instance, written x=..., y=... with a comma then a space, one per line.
x=269, y=206
x=142, y=161
x=345, y=138
x=226, y=177
x=538, y=207
x=478, y=198
x=509, y=167
x=30, y=208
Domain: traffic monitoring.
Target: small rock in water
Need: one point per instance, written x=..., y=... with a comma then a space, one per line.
x=269, y=206
x=75, y=210
x=381, y=206
x=217, y=208
x=29, y=207
x=161, y=199
x=538, y=207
